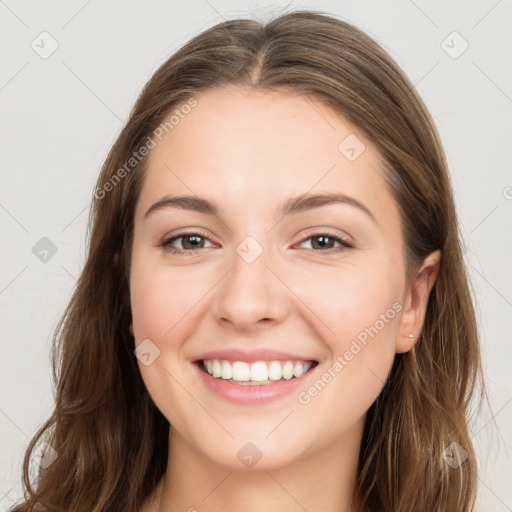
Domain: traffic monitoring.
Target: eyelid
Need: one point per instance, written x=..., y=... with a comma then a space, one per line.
x=167, y=239
x=186, y=231
x=330, y=232
x=344, y=241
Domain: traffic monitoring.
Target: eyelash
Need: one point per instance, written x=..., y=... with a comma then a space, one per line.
x=165, y=245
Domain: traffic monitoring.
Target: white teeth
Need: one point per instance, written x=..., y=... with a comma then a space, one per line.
x=240, y=370
x=288, y=370
x=217, y=369
x=259, y=371
x=227, y=371
x=298, y=369
x=275, y=372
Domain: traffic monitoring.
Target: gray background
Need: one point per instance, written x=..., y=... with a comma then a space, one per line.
x=61, y=113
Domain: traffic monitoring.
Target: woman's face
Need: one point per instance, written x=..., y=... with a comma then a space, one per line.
x=260, y=281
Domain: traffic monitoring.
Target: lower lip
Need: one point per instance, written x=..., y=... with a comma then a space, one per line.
x=250, y=394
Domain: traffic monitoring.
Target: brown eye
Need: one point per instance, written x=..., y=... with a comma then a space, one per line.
x=324, y=242
x=190, y=242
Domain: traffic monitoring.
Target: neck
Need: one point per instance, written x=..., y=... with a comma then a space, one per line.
x=322, y=481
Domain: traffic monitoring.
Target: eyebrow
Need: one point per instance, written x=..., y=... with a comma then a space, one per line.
x=292, y=205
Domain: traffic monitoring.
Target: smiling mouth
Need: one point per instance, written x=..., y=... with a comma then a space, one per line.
x=255, y=373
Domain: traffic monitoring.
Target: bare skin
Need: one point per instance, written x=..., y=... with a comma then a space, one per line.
x=248, y=152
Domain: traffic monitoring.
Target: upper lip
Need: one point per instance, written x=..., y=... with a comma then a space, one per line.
x=261, y=354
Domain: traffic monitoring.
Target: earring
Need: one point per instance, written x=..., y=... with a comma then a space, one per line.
x=411, y=335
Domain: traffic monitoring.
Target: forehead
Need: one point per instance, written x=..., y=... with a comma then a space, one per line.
x=252, y=148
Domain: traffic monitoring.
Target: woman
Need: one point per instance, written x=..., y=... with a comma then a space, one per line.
x=274, y=312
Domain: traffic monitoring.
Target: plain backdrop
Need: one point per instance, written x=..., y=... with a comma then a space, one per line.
x=70, y=73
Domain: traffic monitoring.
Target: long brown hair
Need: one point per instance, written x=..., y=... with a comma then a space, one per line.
x=111, y=440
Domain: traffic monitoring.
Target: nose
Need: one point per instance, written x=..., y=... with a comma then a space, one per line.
x=251, y=295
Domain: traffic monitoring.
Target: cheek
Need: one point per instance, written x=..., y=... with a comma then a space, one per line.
x=348, y=300
x=162, y=296
x=361, y=307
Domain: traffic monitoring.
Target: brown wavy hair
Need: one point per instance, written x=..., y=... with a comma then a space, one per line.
x=112, y=441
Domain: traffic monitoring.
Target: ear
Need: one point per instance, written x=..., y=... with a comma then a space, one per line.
x=416, y=301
